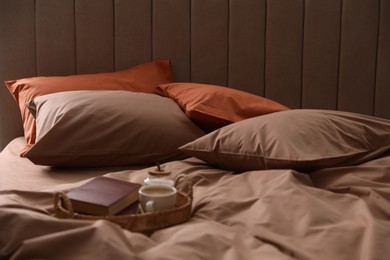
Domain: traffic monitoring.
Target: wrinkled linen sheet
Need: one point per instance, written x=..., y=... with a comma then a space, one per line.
x=335, y=213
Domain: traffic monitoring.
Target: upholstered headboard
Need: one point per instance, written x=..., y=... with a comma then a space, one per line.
x=328, y=54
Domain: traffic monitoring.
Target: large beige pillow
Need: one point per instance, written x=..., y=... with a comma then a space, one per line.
x=141, y=78
x=108, y=128
x=294, y=139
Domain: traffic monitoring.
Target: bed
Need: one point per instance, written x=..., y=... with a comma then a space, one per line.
x=277, y=111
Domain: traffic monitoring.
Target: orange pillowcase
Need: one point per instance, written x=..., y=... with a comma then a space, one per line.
x=212, y=107
x=141, y=78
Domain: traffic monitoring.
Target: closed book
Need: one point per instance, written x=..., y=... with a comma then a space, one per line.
x=103, y=196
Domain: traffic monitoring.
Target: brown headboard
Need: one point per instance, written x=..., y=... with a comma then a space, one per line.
x=328, y=54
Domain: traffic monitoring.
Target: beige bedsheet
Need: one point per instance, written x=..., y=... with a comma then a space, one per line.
x=339, y=213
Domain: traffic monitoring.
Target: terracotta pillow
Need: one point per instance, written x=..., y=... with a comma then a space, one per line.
x=304, y=140
x=108, y=128
x=141, y=78
x=212, y=107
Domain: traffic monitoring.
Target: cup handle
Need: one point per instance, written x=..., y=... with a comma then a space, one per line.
x=149, y=206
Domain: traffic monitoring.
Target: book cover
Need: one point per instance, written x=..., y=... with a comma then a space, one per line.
x=103, y=196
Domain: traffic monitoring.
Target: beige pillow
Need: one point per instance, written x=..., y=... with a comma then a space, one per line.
x=294, y=139
x=108, y=128
x=140, y=78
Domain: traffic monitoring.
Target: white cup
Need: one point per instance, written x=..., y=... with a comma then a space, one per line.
x=156, y=197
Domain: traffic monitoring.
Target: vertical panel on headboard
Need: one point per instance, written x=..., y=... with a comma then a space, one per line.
x=17, y=45
x=321, y=54
x=133, y=32
x=283, y=64
x=172, y=35
x=94, y=36
x=358, y=52
x=209, y=41
x=246, y=45
x=55, y=39
x=382, y=94
x=17, y=54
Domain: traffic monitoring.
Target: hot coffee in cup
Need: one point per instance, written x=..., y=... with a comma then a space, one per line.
x=157, y=197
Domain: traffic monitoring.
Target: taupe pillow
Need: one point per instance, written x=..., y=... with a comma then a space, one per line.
x=295, y=139
x=108, y=128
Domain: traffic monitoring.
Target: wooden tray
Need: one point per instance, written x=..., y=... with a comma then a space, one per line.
x=140, y=221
